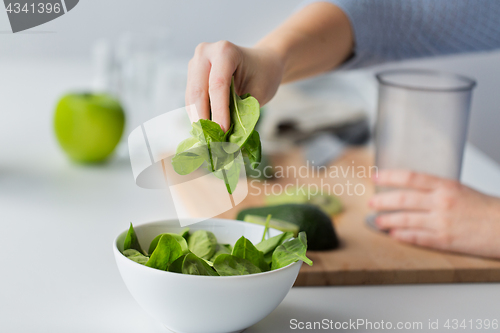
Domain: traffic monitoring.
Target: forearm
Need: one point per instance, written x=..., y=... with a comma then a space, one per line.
x=314, y=40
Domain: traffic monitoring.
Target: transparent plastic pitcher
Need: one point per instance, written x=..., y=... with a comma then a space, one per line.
x=422, y=121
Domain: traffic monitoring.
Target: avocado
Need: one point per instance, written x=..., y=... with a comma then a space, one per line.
x=330, y=204
x=309, y=218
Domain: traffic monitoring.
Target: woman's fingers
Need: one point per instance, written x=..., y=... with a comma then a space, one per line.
x=197, y=86
x=407, y=179
x=401, y=200
x=223, y=67
x=422, y=237
x=405, y=220
x=218, y=90
x=209, y=79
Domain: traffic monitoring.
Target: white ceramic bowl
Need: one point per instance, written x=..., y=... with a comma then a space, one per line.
x=204, y=304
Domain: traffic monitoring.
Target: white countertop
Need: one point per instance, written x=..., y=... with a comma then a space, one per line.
x=58, y=222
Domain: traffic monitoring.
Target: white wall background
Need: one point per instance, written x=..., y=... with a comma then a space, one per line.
x=191, y=22
x=243, y=22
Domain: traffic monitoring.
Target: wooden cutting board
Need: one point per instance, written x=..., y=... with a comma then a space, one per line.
x=365, y=256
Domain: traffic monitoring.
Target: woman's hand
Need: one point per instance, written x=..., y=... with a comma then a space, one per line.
x=257, y=71
x=438, y=213
x=314, y=40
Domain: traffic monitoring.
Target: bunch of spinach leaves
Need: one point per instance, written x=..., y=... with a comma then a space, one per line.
x=218, y=151
x=199, y=253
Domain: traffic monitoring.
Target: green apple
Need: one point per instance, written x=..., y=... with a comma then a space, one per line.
x=88, y=126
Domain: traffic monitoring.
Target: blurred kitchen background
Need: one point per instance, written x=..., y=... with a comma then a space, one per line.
x=139, y=50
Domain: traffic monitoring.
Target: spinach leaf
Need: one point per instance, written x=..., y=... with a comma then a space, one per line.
x=212, y=131
x=182, y=242
x=191, y=264
x=244, y=113
x=246, y=250
x=136, y=256
x=185, y=233
x=190, y=160
x=266, y=227
x=290, y=252
x=196, y=266
x=270, y=244
x=221, y=249
x=229, y=265
x=202, y=243
x=131, y=241
x=230, y=173
x=219, y=157
x=229, y=131
x=187, y=144
x=252, y=149
x=167, y=250
x=208, y=262
x=268, y=258
x=176, y=265
x=197, y=132
x=206, y=132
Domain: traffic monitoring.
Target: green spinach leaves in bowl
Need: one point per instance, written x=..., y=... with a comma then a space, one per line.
x=199, y=253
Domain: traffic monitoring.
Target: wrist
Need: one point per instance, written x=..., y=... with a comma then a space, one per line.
x=272, y=57
x=279, y=49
